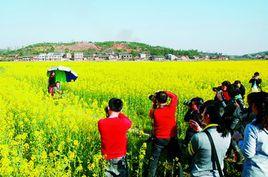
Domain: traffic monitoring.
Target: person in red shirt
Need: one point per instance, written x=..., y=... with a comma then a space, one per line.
x=223, y=93
x=113, y=131
x=164, y=127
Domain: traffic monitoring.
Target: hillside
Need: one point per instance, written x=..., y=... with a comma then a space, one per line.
x=97, y=47
x=89, y=48
x=263, y=54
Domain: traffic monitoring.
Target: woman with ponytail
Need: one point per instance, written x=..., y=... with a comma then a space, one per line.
x=208, y=147
x=255, y=143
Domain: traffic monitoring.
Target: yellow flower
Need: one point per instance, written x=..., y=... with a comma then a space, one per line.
x=44, y=155
x=71, y=155
x=76, y=142
x=80, y=168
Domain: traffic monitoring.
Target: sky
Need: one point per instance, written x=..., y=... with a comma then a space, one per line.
x=224, y=26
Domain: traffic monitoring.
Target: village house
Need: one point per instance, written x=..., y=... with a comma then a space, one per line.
x=41, y=57
x=68, y=56
x=78, y=56
x=171, y=57
x=142, y=56
x=156, y=58
x=113, y=56
x=27, y=58
x=259, y=56
x=100, y=56
x=50, y=56
x=125, y=56
x=54, y=56
x=196, y=57
x=206, y=57
x=88, y=56
x=183, y=58
x=223, y=58
x=214, y=57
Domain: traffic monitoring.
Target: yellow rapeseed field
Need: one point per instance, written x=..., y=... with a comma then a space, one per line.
x=45, y=136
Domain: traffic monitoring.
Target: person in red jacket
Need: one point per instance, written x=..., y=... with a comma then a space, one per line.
x=164, y=127
x=113, y=131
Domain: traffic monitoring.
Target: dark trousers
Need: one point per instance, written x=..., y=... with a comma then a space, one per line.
x=158, y=146
x=117, y=168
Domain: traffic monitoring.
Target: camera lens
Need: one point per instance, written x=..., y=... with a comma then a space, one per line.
x=151, y=97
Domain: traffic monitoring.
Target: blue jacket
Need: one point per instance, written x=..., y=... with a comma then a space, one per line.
x=255, y=150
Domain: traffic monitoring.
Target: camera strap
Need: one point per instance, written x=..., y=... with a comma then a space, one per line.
x=214, y=154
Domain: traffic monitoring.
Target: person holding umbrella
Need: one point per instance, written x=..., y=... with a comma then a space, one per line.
x=51, y=83
x=57, y=75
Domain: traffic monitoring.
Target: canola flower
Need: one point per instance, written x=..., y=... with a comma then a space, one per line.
x=44, y=136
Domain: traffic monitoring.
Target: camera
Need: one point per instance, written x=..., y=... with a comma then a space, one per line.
x=186, y=102
x=196, y=100
x=158, y=98
x=106, y=109
x=216, y=89
x=152, y=97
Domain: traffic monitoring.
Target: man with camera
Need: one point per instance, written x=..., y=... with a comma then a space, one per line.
x=255, y=82
x=164, y=127
x=223, y=93
x=113, y=131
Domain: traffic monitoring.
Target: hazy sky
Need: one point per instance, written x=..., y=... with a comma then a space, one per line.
x=227, y=26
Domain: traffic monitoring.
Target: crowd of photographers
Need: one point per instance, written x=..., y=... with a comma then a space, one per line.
x=218, y=128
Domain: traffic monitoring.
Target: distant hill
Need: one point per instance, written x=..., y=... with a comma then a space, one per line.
x=263, y=54
x=89, y=48
x=98, y=47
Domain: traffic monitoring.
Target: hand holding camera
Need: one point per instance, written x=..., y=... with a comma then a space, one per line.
x=195, y=126
x=157, y=98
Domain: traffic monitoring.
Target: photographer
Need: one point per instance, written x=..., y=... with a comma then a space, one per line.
x=113, y=131
x=234, y=113
x=208, y=147
x=255, y=82
x=193, y=113
x=164, y=127
x=238, y=93
x=239, y=88
x=222, y=93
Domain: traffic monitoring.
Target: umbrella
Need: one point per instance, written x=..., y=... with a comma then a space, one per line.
x=62, y=73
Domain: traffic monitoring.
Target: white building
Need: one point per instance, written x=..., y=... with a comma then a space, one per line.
x=41, y=57
x=157, y=58
x=171, y=57
x=50, y=56
x=54, y=56
x=68, y=55
x=142, y=56
x=78, y=56
x=125, y=56
x=113, y=56
x=183, y=57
